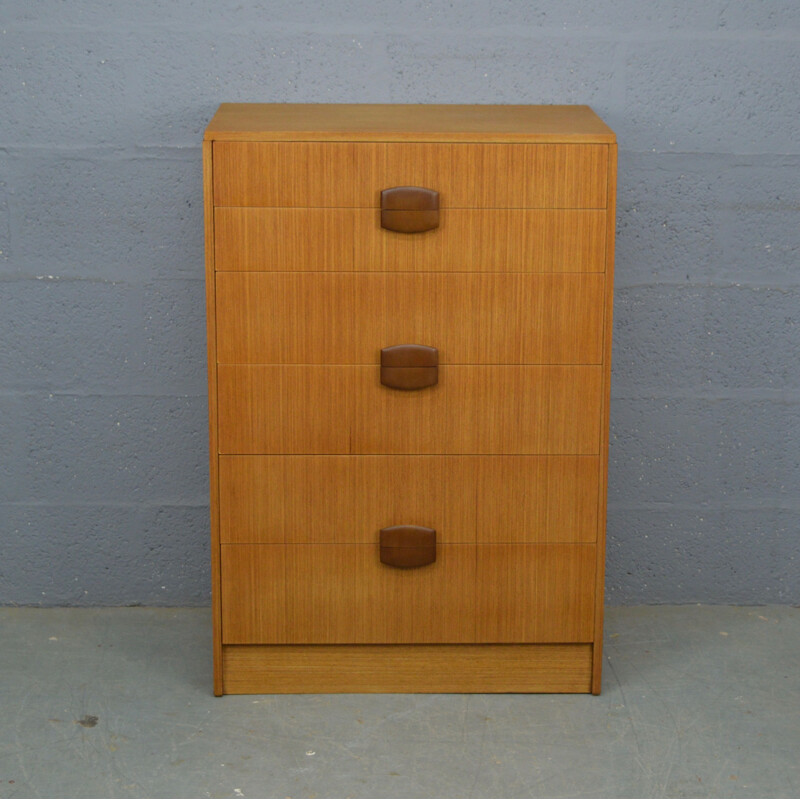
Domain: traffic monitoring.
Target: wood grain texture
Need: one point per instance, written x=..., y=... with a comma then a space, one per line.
x=535, y=593
x=331, y=593
x=536, y=499
x=348, y=499
x=211, y=343
x=349, y=175
x=344, y=499
x=254, y=595
x=415, y=122
x=285, y=238
x=506, y=457
x=346, y=318
x=502, y=176
x=343, y=594
x=467, y=240
x=485, y=240
x=472, y=410
x=277, y=669
x=288, y=174
x=597, y=667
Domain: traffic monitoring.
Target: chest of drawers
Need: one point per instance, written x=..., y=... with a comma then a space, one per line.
x=409, y=340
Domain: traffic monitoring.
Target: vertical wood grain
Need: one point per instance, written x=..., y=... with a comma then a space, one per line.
x=536, y=499
x=346, y=318
x=347, y=175
x=535, y=592
x=284, y=238
x=473, y=410
x=467, y=240
x=507, y=457
x=485, y=240
x=254, y=594
x=502, y=176
x=253, y=493
x=597, y=653
x=342, y=593
x=211, y=342
x=348, y=499
x=291, y=174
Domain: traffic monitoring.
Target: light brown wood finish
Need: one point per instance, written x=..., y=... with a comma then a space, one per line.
x=348, y=499
x=331, y=593
x=535, y=593
x=268, y=669
x=506, y=457
x=346, y=318
x=343, y=594
x=597, y=665
x=473, y=410
x=536, y=499
x=485, y=240
x=211, y=339
x=377, y=122
x=467, y=240
x=254, y=596
x=347, y=175
x=285, y=238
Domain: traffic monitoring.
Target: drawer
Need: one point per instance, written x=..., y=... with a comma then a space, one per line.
x=345, y=410
x=349, y=175
x=535, y=593
x=343, y=594
x=346, y=318
x=467, y=240
x=348, y=499
x=331, y=593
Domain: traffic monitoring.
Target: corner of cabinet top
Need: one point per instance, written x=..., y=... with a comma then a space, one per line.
x=333, y=122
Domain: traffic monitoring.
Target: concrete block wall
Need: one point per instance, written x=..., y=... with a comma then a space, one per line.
x=103, y=478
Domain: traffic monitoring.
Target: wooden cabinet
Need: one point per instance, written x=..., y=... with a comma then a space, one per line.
x=503, y=269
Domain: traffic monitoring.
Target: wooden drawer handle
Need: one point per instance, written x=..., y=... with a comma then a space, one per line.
x=409, y=366
x=409, y=209
x=408, y=546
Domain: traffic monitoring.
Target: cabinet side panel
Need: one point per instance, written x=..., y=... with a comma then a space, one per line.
x=213, y=476
x=597, y=654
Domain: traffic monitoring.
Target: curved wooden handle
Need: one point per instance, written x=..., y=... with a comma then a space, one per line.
x=409, y=366
x=408, y=546
x=409, y=209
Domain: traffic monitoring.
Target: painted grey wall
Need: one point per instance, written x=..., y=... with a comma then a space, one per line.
x=103, y=474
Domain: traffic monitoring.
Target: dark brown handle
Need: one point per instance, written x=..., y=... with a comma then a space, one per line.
x=409, y=366
x=409, y=209
x=408, y=546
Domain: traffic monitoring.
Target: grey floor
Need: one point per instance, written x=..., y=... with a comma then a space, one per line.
x=698, y=702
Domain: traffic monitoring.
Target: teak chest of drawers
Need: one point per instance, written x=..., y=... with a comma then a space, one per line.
x=409, y=340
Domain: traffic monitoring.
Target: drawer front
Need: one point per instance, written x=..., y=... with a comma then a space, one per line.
x=348, y=175
x=472, y=410
x=330, y=593
x=467, y=240
x=348, y=499
x=343, y=594
x=346, y=318
x=535, y=593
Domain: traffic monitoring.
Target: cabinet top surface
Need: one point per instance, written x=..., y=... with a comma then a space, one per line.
x=412, y=123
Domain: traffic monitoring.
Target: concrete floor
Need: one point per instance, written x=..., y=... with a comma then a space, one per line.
x=698, y=702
